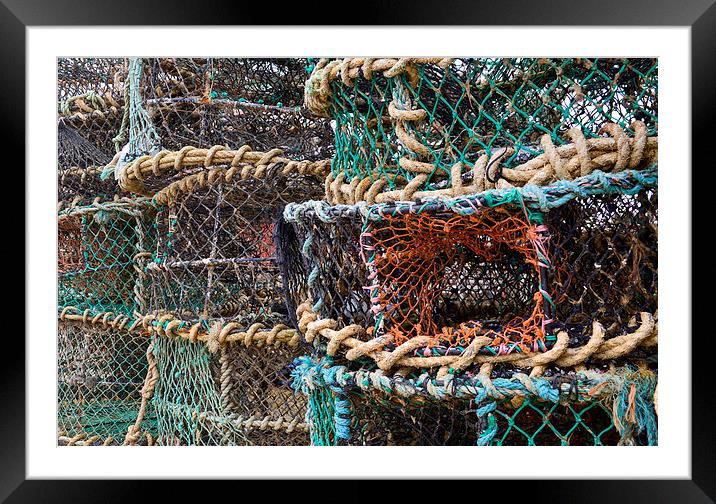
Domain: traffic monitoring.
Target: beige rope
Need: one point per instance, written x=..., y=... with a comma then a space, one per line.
x=168, y=326
x=93, y=116
x=134, y=431
x=220, y=333
x=615, y=153
x=350, y=337
x=318, y=94
x=89, y=103
x=205, y=179
x=243, y=161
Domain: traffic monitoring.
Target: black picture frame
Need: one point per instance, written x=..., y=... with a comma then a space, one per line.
x=700, y=15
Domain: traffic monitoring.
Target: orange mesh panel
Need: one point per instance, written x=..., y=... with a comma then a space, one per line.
x=424, y=260
x=69, y=245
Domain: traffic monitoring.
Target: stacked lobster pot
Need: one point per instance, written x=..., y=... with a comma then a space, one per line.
x=219, y=146
x=482, y=267
x=104, y=243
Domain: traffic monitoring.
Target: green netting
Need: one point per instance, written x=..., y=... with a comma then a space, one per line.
x=357, y=405
x=472, y=106
x=101, y=371
x=535, y=423
x=238, y=396
x=102, y=252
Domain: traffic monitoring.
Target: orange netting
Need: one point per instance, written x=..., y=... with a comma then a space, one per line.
x=260, y=235
x=454, y=277
x=69, y=245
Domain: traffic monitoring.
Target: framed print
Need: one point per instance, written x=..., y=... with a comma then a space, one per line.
x=428, y=240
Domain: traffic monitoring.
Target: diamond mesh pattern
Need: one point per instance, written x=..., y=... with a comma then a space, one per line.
x=100, y=375
x=478, y=105
x=104, y=248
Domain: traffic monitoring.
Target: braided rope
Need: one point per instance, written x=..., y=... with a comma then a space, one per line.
x=591, y=385
x=134, y=431
x=88, y=103
x=134, y=207
x=265, y=423
x=204, y=179
x=96, y=116
x=84, y=439
x=221, y=334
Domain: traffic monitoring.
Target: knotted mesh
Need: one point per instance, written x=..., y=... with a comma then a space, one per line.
x=101, y=371
x=407, y=122
x=351, y=404
x=237, y=396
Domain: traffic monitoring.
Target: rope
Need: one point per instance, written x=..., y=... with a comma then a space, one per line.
x=89, y=103
x=243, y=162
x=596, y=348
x=543, y=199
x=318, y=93
x=566, y=162
x=143, y=137
x=311, y=374
x=168, y=326
x=134, y=431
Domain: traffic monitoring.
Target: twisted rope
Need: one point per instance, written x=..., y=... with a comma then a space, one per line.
x=543, y=199
x=243, y=162
x=134, y=431
x=241, y=422
x=89, y=103
x=219, y=333
x=318, y=94
x=310, y=374
x=84, y=439
x=617, y=153
x=596, y=348
x=134, y=207
x=168, y=326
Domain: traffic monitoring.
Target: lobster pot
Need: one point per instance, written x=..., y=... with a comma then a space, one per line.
x=414, y=119
x=239, y=395
x=233, y=102
x=356, y=406
x=101, y=371
x=90, y=105
x=491, y=264
x=102, y=252
x=410, y=274
x=216, y=257
x=275, y=81
x=215, y=266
